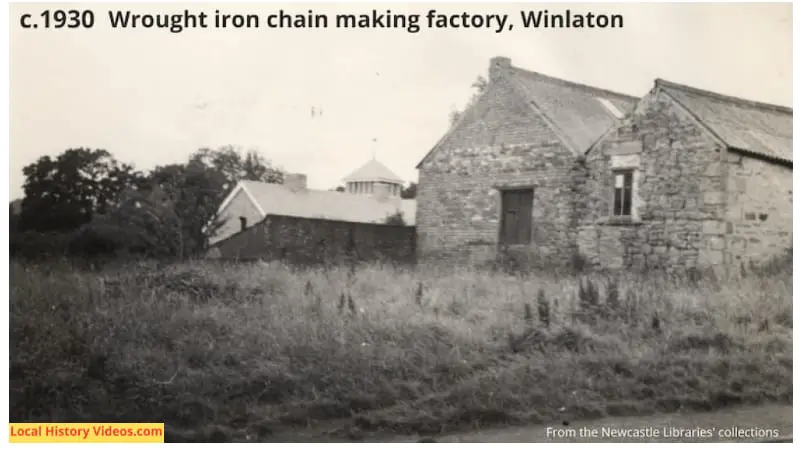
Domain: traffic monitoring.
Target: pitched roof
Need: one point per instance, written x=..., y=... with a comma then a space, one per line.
x=373, y=171
x=579, y=113
x=759, y=128
x=279, y=199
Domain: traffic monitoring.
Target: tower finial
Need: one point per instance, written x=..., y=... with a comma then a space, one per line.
x=374, y=148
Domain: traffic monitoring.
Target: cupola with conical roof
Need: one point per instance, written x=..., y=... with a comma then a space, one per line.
x=372, y=178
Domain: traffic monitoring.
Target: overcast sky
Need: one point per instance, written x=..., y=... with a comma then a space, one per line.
x=138, y=93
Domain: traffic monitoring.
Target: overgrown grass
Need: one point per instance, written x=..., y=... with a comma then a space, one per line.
x=232, y=352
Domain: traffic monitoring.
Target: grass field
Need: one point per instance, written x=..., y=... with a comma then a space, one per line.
x=238, y=352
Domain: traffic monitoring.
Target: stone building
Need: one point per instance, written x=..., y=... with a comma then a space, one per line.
x=690, y=179
x=558, y=170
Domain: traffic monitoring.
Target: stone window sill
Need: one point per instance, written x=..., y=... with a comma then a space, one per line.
x=479, y=242
x=620, y=221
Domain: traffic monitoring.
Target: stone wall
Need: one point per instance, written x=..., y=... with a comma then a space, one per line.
x=314, y=241
x=696, y=204
x=499, y=143
x=759, y=212
x=679, y=192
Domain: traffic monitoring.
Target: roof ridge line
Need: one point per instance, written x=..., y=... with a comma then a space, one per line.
x=552, y=79
x=660, y=82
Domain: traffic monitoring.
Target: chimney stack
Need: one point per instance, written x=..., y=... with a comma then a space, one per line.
x=295, y=181
x=498, y=66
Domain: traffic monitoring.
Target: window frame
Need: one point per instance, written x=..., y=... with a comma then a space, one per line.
x=626, y=188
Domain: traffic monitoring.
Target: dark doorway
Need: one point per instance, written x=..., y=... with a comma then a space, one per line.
x=516, y=217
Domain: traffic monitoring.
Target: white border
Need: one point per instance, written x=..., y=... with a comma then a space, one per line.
x=6, y=190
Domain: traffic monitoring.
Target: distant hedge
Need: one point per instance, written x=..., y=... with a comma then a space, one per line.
x=82, y=243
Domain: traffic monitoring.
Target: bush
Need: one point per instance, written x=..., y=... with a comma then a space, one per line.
x=39, y=246
x=396, y=219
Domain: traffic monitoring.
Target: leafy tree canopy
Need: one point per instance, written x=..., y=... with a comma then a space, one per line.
x=177, y=211
x=169, y=211
x=64, y=192
x=409, y=191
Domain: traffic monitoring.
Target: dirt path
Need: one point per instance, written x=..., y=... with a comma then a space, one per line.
x=752, y=423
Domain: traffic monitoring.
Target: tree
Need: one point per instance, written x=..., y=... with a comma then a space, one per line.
x=144, y=222
x=338, y=189
x=172, y=215
x=193, y=192
x=409, y=191
x=14, y=209
x=212, y=174
x=479, y=85
x=64, y=193
x=172, y=211
x=190, y=194
x=236, y=164
x=395, y=219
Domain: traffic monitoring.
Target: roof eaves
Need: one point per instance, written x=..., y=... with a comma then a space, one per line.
x=325, y=219
x=373, y=167
x=758, y=155
x=383, y=179
x=217, y=243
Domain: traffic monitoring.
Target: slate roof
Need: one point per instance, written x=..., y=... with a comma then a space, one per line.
x=373, y=171
x=759, y=128
x=576, y=110
x=281, y=200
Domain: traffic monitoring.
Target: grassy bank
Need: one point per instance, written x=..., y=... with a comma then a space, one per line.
x=230, y=352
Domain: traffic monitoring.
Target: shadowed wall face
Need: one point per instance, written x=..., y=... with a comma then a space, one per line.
x=315, y=241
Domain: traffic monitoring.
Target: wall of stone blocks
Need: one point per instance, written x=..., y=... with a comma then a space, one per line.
x=758, y=223
x=679, y=191
x=500, y=143
x=318, y=241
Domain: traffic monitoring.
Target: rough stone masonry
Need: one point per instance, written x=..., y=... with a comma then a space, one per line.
x=696, y=202
x=457, y=196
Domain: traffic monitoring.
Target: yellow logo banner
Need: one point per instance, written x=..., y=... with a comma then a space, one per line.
x=86, y=432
